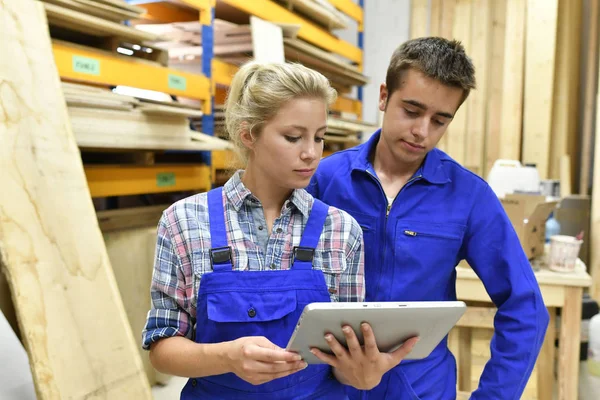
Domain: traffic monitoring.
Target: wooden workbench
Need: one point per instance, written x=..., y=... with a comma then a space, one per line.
x=559, y=290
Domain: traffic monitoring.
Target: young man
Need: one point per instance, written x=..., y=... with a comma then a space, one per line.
x=422, y=213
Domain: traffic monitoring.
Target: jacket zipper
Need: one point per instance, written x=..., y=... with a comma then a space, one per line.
x=387, y=213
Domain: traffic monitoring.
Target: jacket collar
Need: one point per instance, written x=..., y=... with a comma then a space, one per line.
x=432, y=169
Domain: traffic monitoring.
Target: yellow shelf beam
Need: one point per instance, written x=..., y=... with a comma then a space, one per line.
x=166, y=13
x=102, y=68
x=124, y=180
x=352, y=10
x=219, y=158
x=223, y=72
x=271, y=11
x=345, y=104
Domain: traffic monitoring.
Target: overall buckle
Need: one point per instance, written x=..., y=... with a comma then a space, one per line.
x=220, y=255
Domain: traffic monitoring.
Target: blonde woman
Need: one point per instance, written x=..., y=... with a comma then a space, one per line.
x=235, y=267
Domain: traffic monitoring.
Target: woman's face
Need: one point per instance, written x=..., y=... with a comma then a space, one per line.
x=289, y=148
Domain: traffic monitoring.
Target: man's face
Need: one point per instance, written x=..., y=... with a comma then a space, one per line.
x=416, y=115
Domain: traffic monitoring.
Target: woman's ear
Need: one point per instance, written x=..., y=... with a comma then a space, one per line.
x=247, y=138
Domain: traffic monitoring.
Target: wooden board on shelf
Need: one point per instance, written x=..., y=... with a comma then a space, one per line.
x=114, y=129
x=97, y=9
x=316, y=12
x=130, y=218
x=51, y=247
x=90, y=24
x=124, y=5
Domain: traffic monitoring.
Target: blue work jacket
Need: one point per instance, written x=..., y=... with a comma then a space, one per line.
x=444, y=214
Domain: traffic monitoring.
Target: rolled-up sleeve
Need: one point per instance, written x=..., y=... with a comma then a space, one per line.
x=352, y=281
x=167, y=317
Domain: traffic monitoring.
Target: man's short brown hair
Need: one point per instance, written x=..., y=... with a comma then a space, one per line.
x=437, y=58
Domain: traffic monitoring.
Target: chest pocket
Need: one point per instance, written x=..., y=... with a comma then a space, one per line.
x=428, y=245
x=242, y=306
x=332, y=263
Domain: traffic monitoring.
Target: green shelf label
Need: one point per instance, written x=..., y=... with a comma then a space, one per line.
x=165, y=179
x=85, y=65
x=177, y=82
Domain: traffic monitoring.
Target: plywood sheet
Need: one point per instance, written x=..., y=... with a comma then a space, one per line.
x=131, y=253
x=96, y=9
x=72, y=319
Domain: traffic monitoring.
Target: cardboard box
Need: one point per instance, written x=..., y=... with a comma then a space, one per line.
x=574, y=215
x=528, y=214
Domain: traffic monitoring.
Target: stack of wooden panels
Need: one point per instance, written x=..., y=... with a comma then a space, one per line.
x=346, y=131
x=219, y=122
x=233, y=45
x=105, y=120
x=319, y=11
x=98, y=24
x=527, y=59
x=111, y=10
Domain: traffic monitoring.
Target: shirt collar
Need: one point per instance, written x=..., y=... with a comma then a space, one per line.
x=236, y=193
x=431, y=170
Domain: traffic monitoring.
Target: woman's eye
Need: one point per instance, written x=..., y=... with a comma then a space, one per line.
x=319, y=139
x=292, y=139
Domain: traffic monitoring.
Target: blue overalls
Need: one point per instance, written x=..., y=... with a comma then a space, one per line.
x=234, y=304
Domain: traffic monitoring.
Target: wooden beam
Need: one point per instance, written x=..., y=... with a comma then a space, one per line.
x=70, y=312
x=456, y=137
x=419, y=16
x=481, y=41
x=539, y=82
x=513, y=80
x=446, y=28
x=565, y=101
x=493, y=134
x=590, y=90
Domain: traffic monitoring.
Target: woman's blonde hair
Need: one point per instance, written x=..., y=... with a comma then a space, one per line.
x=259, y=90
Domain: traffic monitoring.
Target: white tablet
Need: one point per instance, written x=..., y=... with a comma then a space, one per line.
x=392, y=323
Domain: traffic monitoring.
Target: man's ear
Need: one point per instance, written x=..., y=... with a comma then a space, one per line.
x=383, y=97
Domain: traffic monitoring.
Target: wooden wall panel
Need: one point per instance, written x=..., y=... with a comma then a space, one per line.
x=539, y=82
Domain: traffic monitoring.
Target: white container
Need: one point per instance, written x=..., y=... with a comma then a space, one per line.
x=564, y=251
x=505, y=177
x=529, y=179
x=593, y=360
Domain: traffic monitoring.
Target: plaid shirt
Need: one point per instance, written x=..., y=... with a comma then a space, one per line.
x=182, y=252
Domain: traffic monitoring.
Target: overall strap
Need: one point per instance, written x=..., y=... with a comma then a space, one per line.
x=303, y=254
x=220, y=252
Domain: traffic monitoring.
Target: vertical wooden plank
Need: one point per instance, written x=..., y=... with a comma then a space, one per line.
x=72, y=319
x=539, y=82
x=465, y=340
x=513, y=80
x=419, y=18
x=495, y=87
x=545, y=364
x=435, y=20
x=455, y=142
x=131, y=253
x=594, y=267
x=568, y=352
x=480, y=50
x=446, y=27
x=565, y=101
x=591, y=87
